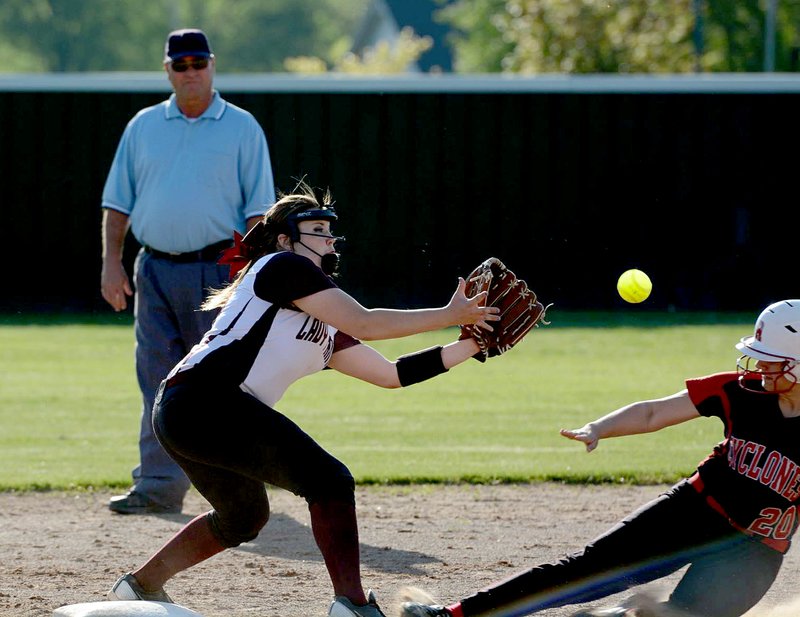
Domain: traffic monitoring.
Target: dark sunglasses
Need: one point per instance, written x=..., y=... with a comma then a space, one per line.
x=198, y=64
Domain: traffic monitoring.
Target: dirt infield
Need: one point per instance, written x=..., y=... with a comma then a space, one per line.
x=62, y=548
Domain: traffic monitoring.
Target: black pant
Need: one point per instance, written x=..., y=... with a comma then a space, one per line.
x=230, y=444
x=729, y=572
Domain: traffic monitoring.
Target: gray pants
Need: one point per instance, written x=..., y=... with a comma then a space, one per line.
x=167, y=325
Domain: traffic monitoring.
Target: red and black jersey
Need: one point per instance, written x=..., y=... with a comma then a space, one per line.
x=752, y=477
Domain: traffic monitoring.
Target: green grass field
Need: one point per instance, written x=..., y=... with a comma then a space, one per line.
x=69, y=405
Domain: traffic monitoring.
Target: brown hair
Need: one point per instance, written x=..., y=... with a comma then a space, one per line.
x=263, y=238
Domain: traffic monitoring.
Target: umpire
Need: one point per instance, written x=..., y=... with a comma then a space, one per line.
x=187, y=172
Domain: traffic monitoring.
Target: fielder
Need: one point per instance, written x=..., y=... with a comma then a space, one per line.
x=731, y=522
x=282, y=318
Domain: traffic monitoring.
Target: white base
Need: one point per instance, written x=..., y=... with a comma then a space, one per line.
x=127, y=608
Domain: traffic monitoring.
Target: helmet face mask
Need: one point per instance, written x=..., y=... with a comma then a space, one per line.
x=329, y=261
x=776, y=340
x=312, y=214
x=748, y=371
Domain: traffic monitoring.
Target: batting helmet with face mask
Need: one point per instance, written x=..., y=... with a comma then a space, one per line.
x=776, y=339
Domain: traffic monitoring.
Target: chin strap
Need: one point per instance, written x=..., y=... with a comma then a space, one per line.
x=329, y=262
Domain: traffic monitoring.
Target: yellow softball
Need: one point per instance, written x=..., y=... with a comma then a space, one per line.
x=634, y=286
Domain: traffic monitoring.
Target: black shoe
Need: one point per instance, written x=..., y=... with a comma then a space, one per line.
x=139, y=503
x=415, y=609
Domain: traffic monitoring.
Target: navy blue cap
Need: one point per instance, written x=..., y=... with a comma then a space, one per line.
x=187, y=42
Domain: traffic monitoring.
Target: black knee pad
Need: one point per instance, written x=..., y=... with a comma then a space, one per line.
x=340, y=486
x=244, y=527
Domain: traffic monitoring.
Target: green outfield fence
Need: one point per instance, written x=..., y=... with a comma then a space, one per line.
x=570, y=180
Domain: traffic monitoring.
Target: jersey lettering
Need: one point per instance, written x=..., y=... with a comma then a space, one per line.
x=743, y=466
x=754, y=471
x=770, y=467
x=314, y=332
x=783, y=475
x=786, y=525
x=765, y=522
x=778, y=472
x=791, y=493
x=775, y=523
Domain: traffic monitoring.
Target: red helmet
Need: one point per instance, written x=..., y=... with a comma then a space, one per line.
x=776, y=339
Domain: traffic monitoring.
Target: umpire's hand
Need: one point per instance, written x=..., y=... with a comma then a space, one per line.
x=115, y=285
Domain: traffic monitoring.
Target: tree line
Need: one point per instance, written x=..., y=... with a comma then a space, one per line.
x=624, y=36
x=487, y=36
x=129, y=35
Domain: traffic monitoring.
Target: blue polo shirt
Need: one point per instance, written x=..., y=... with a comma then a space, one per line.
x=186, y=183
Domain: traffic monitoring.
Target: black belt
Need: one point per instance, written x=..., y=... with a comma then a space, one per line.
x=209, y=253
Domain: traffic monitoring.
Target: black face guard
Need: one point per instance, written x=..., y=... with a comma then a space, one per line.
x=330, y=261
x=317, y=214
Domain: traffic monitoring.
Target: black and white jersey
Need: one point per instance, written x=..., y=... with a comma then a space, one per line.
x=260, y=341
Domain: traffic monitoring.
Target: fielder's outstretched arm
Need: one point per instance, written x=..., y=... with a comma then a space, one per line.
x=636, y=418
x=342, y=311
x=367, y=364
